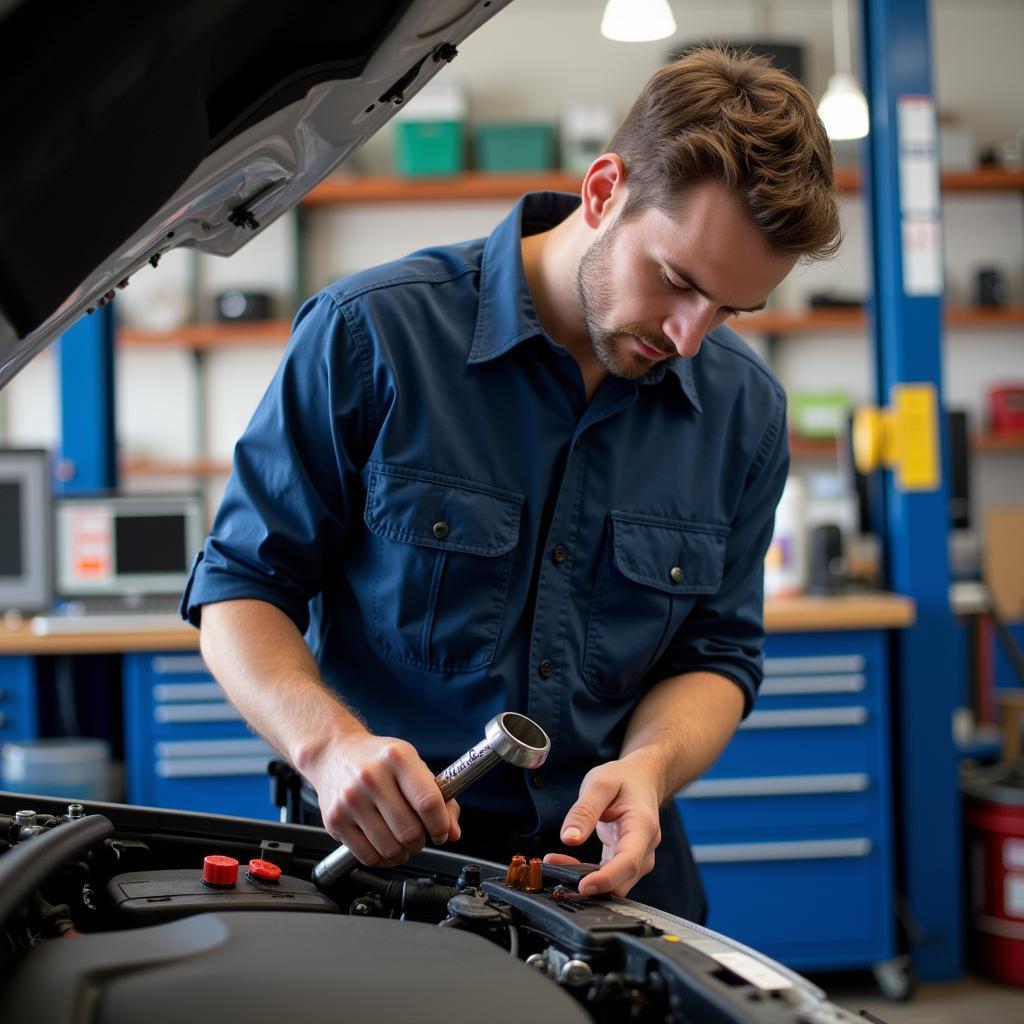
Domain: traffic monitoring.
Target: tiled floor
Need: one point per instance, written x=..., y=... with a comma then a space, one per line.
x=970, y=1001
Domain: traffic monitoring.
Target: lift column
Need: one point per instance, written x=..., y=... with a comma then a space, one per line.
x=904, y=205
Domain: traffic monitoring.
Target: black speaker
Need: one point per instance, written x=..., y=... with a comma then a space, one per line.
x=827, y=569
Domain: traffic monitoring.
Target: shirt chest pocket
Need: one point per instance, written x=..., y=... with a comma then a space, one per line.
x=443, y=553
x=651, y=573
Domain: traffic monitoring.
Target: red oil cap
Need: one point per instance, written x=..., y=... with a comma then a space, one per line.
x=219, y=870
x=264, y=870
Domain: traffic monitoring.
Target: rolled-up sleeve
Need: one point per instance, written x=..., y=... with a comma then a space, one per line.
x=295, y=475
x=724, y=633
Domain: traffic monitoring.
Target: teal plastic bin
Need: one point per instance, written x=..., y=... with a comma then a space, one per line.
x=424, y=148
x=515, y=147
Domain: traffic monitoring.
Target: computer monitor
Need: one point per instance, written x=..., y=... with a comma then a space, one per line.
x=125, y=545
x=26, y=574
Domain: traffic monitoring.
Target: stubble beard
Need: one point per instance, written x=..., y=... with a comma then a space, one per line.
x=611, y=346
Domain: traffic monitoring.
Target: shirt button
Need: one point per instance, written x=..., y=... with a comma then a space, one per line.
x=441, y=530
x=546, y=668
x=675, y=574
x=578, y=443
x=538, y=781
x=558, y=555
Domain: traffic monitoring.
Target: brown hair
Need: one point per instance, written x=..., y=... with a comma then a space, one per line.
x=732, y=116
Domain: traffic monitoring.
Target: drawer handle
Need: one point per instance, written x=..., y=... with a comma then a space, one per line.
x=210, y=767
x=186, y=691
x=222, y=712
x=168, y=664
x=212, y=748
x=779, y=785
x=805, y=718
x=811, y=849
x=811, y=666
x=775, y=686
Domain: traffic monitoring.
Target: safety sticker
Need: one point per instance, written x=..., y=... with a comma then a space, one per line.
x=752, y=970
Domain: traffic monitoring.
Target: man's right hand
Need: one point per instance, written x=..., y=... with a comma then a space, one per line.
x=379, y=798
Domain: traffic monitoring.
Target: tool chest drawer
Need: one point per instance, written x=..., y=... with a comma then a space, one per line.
x=18, y=714
x=791, y=826
x=186, y=746
x=811, y=902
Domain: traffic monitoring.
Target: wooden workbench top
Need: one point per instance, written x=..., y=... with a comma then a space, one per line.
x=869, y=610
x=782, y=615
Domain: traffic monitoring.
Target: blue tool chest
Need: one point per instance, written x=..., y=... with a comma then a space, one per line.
x=18, y=714
x=792, y=825
x=186, y=746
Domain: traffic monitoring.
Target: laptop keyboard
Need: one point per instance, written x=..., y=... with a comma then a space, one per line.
x=112, y=615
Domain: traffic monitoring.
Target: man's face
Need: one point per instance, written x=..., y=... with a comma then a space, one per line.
x=651, y=287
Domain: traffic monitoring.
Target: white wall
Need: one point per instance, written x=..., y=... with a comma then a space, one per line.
x=531, y=59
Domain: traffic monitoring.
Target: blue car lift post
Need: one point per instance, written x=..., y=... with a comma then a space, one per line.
x=907, y=330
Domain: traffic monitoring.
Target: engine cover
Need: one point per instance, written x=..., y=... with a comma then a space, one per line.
x=265, y=968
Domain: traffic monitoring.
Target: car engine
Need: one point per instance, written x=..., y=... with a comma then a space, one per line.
x=116, y=914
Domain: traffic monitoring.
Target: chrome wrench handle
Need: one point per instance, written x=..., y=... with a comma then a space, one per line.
x=508, y=737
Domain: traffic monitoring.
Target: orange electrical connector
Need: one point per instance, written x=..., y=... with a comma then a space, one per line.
x=535, y=875
x=515, y=877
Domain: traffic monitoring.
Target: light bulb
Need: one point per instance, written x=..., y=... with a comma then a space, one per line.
x=843, y=109
x=637, y=21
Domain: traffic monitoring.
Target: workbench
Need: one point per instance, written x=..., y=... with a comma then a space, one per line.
x=792, y=826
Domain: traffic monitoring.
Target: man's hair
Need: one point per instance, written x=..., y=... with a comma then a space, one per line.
x=731, y=116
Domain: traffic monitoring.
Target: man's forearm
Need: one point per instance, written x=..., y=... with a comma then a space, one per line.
x=264, y=666
x=681, y=726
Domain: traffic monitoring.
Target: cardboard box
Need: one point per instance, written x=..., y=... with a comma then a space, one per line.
x=1003, y=559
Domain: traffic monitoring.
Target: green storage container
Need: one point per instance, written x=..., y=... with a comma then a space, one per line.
x=515, y=147
x=425, y=148
x=818, y=414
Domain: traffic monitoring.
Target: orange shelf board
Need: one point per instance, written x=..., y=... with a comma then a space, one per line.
x=210, y=335
x=812, y=447
x=1000, y=441
x=472, y=185
x=984, y=179
x=783, y=322
x=480, y=185
x=175, y=467
x=985, y=316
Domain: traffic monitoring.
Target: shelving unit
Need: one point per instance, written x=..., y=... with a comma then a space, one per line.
x=775, y=324
x=476, y=185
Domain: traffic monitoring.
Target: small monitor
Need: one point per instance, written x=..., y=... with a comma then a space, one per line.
x=26, y=575
x=126, y=545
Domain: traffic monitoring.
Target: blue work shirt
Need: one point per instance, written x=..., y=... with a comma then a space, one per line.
x=427, y=493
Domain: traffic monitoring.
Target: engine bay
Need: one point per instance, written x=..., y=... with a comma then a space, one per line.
x=115, y=914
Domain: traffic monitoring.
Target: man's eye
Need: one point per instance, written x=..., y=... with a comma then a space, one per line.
x=669, y=283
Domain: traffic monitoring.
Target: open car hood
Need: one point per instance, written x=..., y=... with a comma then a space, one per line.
x=132, y=129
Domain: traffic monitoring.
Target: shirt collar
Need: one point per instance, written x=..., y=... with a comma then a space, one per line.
x=506, y=315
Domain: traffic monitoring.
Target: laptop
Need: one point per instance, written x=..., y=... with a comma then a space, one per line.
x=121, y=561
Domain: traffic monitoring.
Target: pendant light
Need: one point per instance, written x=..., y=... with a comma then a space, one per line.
x=637, y=21
x=843, y=109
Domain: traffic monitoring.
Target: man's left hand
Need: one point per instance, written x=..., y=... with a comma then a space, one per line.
x=620, y=801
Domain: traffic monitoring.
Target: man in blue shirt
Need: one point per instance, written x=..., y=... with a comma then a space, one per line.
x=533, y=472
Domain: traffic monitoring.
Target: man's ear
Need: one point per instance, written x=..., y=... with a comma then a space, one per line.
x=603, y=190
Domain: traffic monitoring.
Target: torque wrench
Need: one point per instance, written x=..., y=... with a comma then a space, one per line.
x=507, y=737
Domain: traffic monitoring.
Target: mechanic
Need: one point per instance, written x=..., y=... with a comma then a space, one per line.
x=532, y=472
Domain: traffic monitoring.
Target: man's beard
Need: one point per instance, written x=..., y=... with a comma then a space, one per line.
x=594, y=294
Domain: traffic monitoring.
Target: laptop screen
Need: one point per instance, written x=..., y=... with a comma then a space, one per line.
x=126, y=545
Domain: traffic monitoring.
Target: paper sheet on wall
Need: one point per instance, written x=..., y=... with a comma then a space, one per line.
x=922, y=256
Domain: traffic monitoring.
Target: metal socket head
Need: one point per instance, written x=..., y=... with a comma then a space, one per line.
x=518, y=740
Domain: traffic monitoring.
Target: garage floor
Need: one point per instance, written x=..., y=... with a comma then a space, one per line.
x=970, y=1001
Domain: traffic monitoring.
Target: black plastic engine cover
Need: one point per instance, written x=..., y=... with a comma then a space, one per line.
x=265, y=968
x=151, y=897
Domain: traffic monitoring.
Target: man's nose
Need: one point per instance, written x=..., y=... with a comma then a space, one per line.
x=686, y=328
